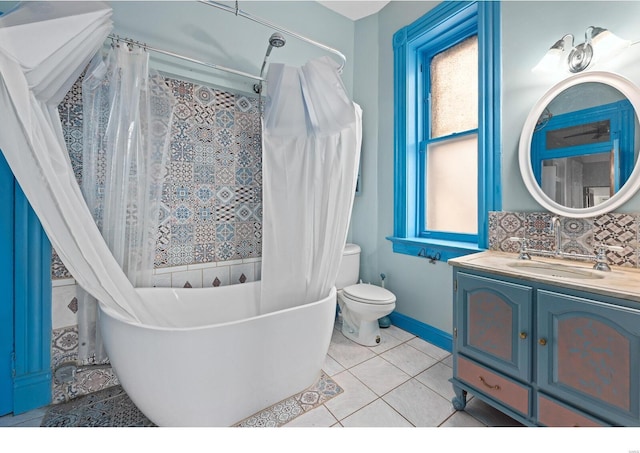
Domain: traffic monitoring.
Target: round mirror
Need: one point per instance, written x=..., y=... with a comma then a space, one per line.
x=579, y=145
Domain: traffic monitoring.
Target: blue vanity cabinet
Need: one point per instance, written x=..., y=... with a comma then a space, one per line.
x=492, y=346
x=588, y=354
x=543, y=354
x=494, y=323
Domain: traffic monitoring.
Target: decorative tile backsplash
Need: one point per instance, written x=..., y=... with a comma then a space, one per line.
x=212, y=197
x=579, y=236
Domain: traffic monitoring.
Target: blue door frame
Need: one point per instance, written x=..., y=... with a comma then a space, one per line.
x=25, y=302
x=6, y=287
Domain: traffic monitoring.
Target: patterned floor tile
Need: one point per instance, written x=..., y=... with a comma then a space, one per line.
x=112, y=407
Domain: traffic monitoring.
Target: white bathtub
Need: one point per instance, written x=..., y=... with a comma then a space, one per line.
x=225, y=362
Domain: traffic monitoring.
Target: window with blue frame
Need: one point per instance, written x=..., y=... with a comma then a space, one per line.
x=447, y=153
x=594, y=147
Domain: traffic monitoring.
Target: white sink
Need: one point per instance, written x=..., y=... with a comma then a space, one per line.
x=555, y=270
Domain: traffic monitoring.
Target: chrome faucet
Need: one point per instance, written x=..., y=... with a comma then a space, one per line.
x=601, y=256
x=556, y=228
x=523, y=252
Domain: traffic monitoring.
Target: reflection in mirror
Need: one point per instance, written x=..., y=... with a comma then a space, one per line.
x=581, y=172
x=582, y=149
x=595, y=195
x=577, y=151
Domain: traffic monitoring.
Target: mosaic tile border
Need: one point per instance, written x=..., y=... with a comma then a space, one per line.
x=64, y=291
x=579, y=236
x=112, y=407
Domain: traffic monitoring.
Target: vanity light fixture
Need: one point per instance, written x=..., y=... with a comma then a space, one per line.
x=556, y=56
x=598, y=44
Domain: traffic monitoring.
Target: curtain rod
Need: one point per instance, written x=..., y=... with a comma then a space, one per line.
x=182, y=57
x=239, y=12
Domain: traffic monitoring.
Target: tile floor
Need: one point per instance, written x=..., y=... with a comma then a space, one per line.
x=402, y=382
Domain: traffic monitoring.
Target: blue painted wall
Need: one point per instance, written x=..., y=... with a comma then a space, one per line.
x=209, y=34
x=423, y=290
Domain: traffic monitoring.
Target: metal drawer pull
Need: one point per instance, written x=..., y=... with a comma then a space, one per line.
x=542, y=341
x=492, y=387
x=523, y=335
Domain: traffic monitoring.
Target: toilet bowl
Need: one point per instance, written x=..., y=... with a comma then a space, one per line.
x=361, y=304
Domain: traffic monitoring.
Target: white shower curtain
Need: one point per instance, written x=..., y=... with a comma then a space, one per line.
x=127, y=114
x=309, y=121
x=43, y=49
x=312, y=134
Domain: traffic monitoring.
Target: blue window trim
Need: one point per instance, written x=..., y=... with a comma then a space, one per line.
x=406, y=43
x=460, y=28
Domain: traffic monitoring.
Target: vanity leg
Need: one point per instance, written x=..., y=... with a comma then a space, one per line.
x=460, y=400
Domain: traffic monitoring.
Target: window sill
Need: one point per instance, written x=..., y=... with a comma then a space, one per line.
x=433, y=249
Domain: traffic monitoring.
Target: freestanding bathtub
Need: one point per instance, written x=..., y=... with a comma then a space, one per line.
x=227, y=360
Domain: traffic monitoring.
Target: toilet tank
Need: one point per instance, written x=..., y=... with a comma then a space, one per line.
x=349, y=270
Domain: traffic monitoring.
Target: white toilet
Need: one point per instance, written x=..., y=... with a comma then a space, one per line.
x=361, y=304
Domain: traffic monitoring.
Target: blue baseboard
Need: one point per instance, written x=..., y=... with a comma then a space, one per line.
x=32, y=391
x=428, y=333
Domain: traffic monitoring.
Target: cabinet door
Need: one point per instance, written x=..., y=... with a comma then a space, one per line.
x=493, y=323
x=588, y=355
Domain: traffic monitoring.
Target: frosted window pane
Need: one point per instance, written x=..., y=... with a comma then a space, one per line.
x=454, y=89
x=452, y=185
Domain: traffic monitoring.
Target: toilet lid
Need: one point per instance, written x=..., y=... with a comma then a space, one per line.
x=369, y=294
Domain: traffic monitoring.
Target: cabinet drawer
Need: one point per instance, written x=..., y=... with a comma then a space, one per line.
x=551, y=413
x=503, y=389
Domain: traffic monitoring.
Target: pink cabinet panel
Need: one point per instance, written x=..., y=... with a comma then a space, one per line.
x=551, y=413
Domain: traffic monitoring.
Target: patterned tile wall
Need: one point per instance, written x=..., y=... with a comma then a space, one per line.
x=212, y=198
x=579, y=236
x=210, y=231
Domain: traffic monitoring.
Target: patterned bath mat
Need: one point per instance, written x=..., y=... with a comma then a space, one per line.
x=110, y=407
x=285, y=411
x=113, y=408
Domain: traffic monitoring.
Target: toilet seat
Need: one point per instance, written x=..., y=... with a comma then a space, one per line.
x=369, y=294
